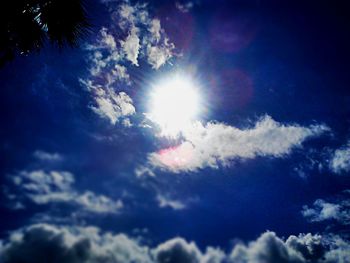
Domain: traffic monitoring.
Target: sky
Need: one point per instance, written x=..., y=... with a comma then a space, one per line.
x=181, y=132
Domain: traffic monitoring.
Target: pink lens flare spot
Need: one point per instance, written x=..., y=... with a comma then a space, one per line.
x=176, y=156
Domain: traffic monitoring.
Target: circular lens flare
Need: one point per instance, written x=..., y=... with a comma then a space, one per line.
x=174, y=103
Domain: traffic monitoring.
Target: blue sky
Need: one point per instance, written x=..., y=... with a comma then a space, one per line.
x=248, y=160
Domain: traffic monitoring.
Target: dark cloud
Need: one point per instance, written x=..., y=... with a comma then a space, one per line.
x=51, y=243
x=177, y=250
x=267, y=248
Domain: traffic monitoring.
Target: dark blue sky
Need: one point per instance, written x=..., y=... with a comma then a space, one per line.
x=288, y=61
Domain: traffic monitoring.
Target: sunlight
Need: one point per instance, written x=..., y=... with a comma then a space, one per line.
x=174, y=103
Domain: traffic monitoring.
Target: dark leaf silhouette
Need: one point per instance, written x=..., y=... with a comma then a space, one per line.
x=26, y=25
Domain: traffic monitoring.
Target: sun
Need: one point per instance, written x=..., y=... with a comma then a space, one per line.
x=174, y=104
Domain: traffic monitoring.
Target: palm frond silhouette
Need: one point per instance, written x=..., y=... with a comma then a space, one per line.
x=26, y=25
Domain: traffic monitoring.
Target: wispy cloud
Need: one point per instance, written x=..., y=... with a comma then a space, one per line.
x=43, y=188
x=215, y=144
x=164, y=201
x=337, y=210
x=184, y=6
x=47, y=156
x=340, y=160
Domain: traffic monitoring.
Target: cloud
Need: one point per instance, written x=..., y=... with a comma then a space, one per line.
x=164, y=201
x=121, y=73
x=339, y=250
x=267, y=248
x=311, y=247
x=73, y=244
x=43, y=188
x=155, y=29
x=133, y=34
x=215, y=144
x=113, y=106
x=340, y=161
x=302, y=248
x=179, y=250
x=157, y=56
x=184, y=7
x=144, y=171
x=131, y=46
x=46, y=156
x=159, y=49
x=322, y=210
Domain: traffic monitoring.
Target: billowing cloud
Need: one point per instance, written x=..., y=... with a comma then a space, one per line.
x=337, y=210
x=43, y=188
x=73, y=244
x=179, y=250
x=340, y=161
x=302, y=248
x=217, y=144
x=133, y=34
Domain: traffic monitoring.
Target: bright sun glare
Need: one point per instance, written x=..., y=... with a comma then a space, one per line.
x=174, y=103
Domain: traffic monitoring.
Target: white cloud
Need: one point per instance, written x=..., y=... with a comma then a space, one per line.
x=184, y=7
x=158, y=55
x=164, y=201
x=127, y=122
x=339, y=250
x=44, y=188
x=155, y=29
x=322, y=210
x=72, y=244
x=98, y=203
x=144, y=171
x=127, y=15
x=131, y=46
x=113, y=106
x=47, y=156
x=159, y=48
x=133, y=34
x=340, y=161
x=121, y=73
x=217, y=144
x=107, y=40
